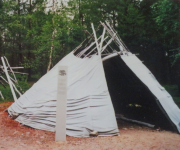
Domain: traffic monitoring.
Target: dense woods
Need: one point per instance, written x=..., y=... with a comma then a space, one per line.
x=37, y=35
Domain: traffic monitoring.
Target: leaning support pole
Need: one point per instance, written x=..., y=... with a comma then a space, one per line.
x=10, y=69
x=95, y=37
x=1, y=95
x=111, y=56
x=9, y=80
x=135, y=121
x=102, y=38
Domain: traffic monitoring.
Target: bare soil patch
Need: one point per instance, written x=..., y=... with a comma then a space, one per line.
x=13, y=136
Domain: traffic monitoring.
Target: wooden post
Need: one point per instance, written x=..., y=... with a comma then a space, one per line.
x=9, y=80
x=61, y=104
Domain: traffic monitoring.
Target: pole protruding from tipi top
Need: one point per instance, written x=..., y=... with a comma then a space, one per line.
x=101, y=45
x=116, y=39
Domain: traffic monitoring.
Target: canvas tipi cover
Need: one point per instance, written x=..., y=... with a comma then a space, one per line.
x=89, y=105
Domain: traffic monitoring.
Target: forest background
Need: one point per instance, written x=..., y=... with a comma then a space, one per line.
x=36, y=35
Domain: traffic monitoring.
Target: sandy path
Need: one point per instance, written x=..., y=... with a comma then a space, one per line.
x=13, y=136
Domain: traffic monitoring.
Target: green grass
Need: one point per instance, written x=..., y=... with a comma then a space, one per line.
x=6, y=92
x=173, y=91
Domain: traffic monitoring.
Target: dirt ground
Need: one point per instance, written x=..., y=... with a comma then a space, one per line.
x=13, y=136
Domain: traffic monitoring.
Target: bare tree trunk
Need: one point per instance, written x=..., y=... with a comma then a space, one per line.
x=52, y=47
x=29, y=45
x=52, y=43
x=19, y=38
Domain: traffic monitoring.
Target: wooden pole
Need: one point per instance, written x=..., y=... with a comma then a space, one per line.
x=9, y=80
x=136, y=121
x=95, y=37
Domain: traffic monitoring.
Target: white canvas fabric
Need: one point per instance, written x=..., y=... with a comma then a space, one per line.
x=89, y=105
x=144, y=74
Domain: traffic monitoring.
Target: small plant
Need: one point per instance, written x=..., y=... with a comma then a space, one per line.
x=22, y=84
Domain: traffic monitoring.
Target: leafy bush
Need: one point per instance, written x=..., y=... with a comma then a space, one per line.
x=6, y=92
x=22, y=86
x=22, y=83
x=173, y=90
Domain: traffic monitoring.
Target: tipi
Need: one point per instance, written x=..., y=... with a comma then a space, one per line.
x=92, y=87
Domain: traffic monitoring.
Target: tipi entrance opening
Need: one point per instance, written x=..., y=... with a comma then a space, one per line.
x=130, y=97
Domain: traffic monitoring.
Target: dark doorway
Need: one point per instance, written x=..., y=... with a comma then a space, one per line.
x=131, y=98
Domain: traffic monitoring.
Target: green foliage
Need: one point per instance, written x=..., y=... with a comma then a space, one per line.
x=173, y=90
x=166, y=14
x=22, y=86
x=6, y=93
x=150, y=28
x=167, y=17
